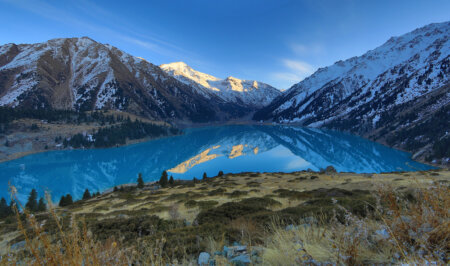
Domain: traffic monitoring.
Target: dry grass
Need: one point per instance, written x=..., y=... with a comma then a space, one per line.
x=402, y=230
x=75, y=246
x=408, y=223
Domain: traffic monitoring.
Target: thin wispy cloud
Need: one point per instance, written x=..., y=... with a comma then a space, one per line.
x=295, y=71
x=300, y=67
x=310, y=49
x=119, y=31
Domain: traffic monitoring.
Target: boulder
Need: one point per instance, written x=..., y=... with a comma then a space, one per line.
x=241, y=260
x=203, y=259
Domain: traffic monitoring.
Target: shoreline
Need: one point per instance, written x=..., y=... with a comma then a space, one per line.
x=183, y=126
x=130, y=142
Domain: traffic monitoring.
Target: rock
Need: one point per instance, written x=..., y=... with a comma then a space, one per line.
x=231, y=252
x=240, y=248
x=310, y=220
x=305, y=226
x=383, y=233
x=290, y=227
x=256, y=255
x=203, y=259
x=122, y=216
x=256, y=251
x=18, y=246
x=225, y=251
x=243, y=259
x=406, y=219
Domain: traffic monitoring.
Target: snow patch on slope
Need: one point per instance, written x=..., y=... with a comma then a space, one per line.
x=232, y=89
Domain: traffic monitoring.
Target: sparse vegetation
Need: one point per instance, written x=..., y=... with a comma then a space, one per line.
x=388, y=223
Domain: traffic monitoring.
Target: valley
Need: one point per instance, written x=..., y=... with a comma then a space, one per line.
x=385, y=95
x=107, y=158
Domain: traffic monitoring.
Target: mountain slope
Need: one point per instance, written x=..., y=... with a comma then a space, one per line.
x=249, y=93
x=81, y=74
x=365, y=94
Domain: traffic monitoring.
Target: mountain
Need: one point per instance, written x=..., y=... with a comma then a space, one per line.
x=248, y=93
x=82, y=74
x=397, y=94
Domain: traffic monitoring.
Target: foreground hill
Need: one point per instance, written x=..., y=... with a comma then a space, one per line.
x=248, y=93
x=397, y=93
x=300, y=218
x=83, y=75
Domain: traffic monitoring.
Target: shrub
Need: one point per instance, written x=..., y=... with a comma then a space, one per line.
x=219, y=191
x=227, y=212
x=253, y=184
x=237, y=194
x=203, y=205
x=261, y=202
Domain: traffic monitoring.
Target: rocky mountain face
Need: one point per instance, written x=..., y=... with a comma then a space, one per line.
x=247, y=93
x=397, y=93
x=81, y=74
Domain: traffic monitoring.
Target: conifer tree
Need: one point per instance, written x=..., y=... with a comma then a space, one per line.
x=115, y=189
x=205, y=176
x=69, y=200
x=62, y=201
x=140, y=181
x=4, y=208
x=12, y=206
x=41, y=205
x=171, y=181
x=163, y=180
x=220, y=173
x=32, y=203
x=65, y=200
x=86, y=194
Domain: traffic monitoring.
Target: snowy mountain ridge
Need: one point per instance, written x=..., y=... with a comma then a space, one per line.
x=376, y=95
x=82, y=74
x=417, y=49
x=247, y=92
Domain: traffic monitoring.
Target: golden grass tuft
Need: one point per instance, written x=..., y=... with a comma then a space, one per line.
x=75, y=246
x=402, y=230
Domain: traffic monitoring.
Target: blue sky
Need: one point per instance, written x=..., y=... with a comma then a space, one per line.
x=278, y=42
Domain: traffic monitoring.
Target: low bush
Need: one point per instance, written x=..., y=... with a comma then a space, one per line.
x=227, y=212
x=237, y=194
x=203, y=205
x=216, y=192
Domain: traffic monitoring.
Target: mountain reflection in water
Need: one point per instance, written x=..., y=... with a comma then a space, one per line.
x=231, y=149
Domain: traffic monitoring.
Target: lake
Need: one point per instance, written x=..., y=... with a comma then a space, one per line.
x=231, y=149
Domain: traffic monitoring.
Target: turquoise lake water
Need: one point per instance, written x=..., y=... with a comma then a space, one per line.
x=232, y=149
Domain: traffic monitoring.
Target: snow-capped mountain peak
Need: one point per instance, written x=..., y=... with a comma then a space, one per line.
x=415, y=51
x=402, y=83
x=82, y=74
x=247, y=92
